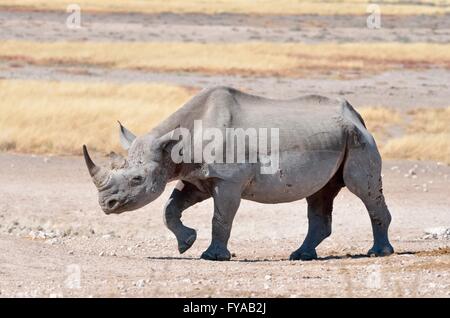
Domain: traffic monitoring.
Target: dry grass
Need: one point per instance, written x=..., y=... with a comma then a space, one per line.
x=255, y=58
x=263, y=7
x=419, y=147
x=53, y=117
x=379, y=116
x=428, y=137
x=430, y=121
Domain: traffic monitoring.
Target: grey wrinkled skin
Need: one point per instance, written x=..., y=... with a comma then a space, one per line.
x=324, y=146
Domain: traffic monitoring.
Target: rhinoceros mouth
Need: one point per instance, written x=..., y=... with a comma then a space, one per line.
x=115, y=206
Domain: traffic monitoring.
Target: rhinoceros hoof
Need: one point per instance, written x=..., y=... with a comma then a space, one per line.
x=185, y=243
x=381, y=250
x=303, y=255
x=216, y=253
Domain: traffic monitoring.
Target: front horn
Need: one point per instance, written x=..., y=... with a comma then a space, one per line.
x=99, y=174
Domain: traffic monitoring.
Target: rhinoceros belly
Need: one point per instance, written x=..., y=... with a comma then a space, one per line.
x=299, y=176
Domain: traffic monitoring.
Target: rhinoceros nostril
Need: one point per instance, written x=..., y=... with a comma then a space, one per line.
x=112, y=204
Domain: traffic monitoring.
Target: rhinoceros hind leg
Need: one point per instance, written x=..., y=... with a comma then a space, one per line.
x=320, y=206
x=362, y=176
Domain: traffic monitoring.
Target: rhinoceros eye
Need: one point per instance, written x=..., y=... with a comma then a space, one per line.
x=137, y=180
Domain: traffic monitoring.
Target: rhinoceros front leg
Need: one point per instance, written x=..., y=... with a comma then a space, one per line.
x=227, y=197
x=183, y=196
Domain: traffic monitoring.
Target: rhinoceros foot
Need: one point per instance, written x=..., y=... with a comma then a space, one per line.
x=186, y=240
x=216, y=252
x=381, y=250
x=303, y=255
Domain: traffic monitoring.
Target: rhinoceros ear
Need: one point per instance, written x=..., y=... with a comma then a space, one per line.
x=173, y=135
x=126, y=137
x=162, y=142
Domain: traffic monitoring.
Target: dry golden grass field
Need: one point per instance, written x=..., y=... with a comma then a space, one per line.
x=250, y=59
x=53, y=117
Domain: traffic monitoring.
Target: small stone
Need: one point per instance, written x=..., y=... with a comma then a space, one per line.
x=38, y=235
x=140, y=283
x=267, y=277
x=102, y=253
x=427, y=237
x=70, y=252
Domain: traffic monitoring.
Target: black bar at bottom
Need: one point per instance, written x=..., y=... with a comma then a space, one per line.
x=224, y=307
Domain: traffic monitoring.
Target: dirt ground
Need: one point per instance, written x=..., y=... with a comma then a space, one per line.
x=56, y=242
x=52, y=228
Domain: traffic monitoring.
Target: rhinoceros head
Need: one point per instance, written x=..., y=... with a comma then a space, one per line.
x=134, y=182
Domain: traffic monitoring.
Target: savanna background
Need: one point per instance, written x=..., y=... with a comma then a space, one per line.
x=137, y=61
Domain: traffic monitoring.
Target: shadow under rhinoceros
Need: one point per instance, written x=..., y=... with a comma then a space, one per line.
x=325, y=258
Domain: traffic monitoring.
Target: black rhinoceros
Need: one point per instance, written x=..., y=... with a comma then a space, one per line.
x=321, y=146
